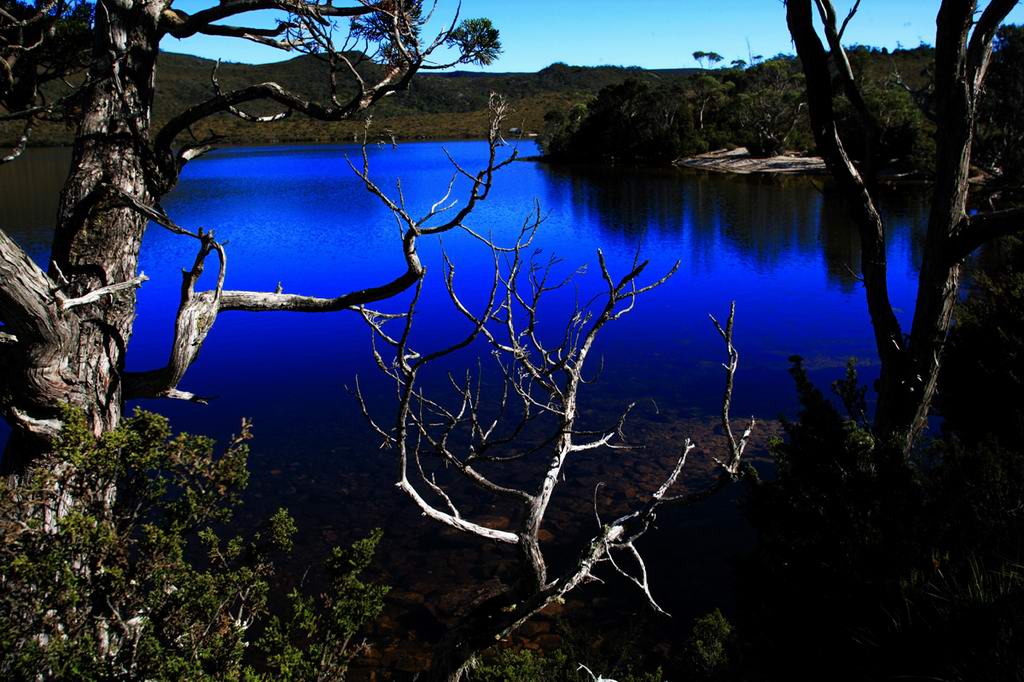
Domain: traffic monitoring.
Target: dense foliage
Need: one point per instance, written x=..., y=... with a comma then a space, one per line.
x=113, y=568
x=524, y=665
x=983, y=371
x=769, y=108
x=630, y=122
x=59, y=45
x=1000, y=145
x=759, y=106
x=709, y=653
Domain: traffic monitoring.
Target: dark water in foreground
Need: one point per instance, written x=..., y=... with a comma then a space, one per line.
x=297, y=215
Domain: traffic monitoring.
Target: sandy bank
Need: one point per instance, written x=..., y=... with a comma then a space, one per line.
x=740, y=161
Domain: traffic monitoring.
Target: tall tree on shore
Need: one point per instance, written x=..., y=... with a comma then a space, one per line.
x=65, y=331
x=963, y=47
x=771, y=106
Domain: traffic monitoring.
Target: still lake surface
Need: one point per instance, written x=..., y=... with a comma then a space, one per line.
x=781, y=248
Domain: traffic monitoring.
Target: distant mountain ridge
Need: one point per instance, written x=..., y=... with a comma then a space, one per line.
x=184, y=79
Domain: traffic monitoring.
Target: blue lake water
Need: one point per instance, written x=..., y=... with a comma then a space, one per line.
x=297, y=215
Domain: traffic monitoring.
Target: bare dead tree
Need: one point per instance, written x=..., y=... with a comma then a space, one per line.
x=54, y=353
x=540, y=389
x=963, y=47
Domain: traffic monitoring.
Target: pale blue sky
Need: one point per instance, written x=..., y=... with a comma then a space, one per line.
x=647, y=33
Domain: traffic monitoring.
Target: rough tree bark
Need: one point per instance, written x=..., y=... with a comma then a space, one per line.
x=97, y=242
x=909, y=362
x=56, y=353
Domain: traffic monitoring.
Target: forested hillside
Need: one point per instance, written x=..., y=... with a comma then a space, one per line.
x=760, y=105
x=437, y=105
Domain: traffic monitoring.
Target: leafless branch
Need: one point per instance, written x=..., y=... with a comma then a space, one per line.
x=98, y=294
x=180, y=24
x=198, y=311
x=736, y=447
x=431, y=434
x=849, y=16
x=923, y=97
x=235, y=111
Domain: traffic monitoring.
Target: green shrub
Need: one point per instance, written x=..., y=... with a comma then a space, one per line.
x=115, y=566
x=708, y=647
x=316, y=643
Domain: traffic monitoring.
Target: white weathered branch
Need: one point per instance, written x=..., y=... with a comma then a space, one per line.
x=640, y=582
x=198, y=310
x=544, y=380
x=97, y=294
x=593, y=677
x=736, y=447
x=456, y=522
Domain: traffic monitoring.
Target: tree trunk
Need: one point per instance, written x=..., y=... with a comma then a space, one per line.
x=909, y=366
x=97, y=239
x=939, y=281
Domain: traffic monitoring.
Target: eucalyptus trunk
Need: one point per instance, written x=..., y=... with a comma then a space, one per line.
x=910, y=363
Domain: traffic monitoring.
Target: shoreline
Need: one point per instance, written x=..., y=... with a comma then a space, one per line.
x=279, y=142
x=739, y=161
